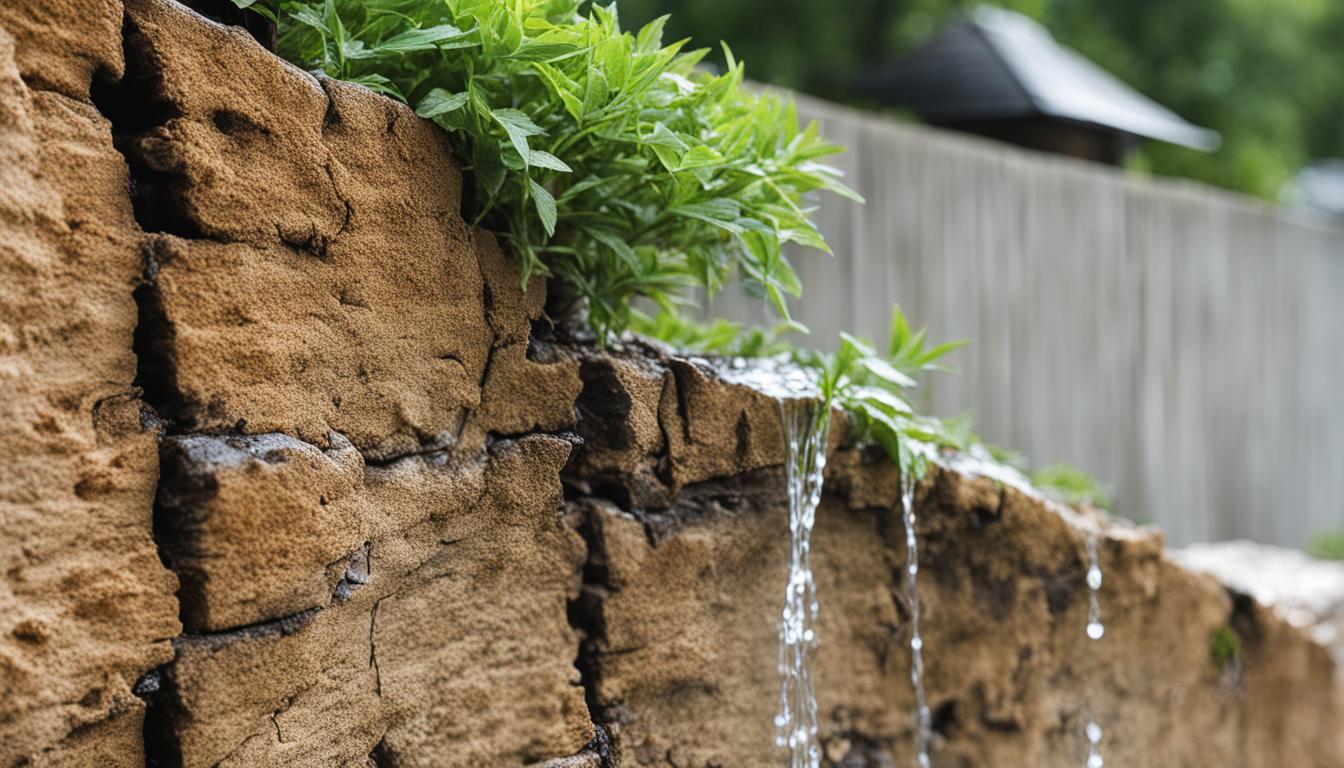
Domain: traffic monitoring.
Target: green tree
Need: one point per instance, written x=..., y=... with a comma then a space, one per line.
x=1267, y=74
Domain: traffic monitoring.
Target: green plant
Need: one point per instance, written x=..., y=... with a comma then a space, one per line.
x=1328, y=545
x=606, y=159
x=871, y=388
x=717, y=337
x=1070, y=485
x=1224, y=646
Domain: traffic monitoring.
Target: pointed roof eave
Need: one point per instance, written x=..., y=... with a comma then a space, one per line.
x=1062, y=83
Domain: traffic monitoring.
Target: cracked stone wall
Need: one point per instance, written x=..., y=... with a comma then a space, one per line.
x=290, y=480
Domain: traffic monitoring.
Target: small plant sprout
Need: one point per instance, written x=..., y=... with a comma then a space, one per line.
x=872, y=388
x=1328, y=546
x=1224, y=647
x=1071, y=485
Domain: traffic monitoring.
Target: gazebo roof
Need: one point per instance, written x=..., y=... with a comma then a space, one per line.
x=998, y=64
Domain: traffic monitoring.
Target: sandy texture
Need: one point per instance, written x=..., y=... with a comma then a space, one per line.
x=85, y=605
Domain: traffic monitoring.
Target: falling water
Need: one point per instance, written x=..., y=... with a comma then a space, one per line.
x=1095, y=629
x=806, y=425
x=923, y=722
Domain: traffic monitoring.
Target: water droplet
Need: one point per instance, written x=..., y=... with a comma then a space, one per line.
x=1095, y=761
x=1093, y=733
x=1094, y=577
x=1095, y=630
x=917, y=643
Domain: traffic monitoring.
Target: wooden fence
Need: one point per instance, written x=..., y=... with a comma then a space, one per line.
x=1184, y=344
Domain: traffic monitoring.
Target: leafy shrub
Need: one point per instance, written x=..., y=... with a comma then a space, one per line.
x=1328, y=546
x=606, y=159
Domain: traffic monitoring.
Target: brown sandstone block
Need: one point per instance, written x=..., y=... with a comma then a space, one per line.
x=654, y=423
x=454, y=651
x=258, y=527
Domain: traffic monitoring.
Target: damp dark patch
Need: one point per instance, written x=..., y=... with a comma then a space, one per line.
x=164, y=711
x=383, y=756
x=603, y=407
x=945, y=720
x=153, y=342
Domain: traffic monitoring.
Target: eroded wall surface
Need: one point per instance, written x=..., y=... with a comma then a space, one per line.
x=291, y=480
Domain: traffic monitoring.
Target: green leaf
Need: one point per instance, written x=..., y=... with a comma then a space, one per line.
x=619, y=247
x=488, y=167
x=563, y=87
x=426, y=39
x=700, y=157
x=650, y=37
x=883, y=370
x=721, y=212
x=595, y=92
x=883, y=399
x=545, y=206
x=662, y=136
x=541, y=159
x=256, y=7
x=518, y=126
x=438, y=101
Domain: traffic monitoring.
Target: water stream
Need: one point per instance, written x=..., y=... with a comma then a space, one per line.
x=806, y=424
x=923, y=720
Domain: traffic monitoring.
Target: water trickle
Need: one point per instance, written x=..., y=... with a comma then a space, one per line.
x=1094, y=759
x=1095, y=630
x=923, y=720
x=806, y=425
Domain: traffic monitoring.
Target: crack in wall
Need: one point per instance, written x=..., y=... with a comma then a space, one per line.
x=373, y=649
x=585, y=611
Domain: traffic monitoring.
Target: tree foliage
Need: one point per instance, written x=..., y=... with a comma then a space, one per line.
x=1267, y=74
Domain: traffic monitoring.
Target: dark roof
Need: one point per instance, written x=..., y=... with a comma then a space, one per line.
x=998, y=64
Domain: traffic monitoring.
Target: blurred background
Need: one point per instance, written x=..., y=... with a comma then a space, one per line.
x=1134, y=209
